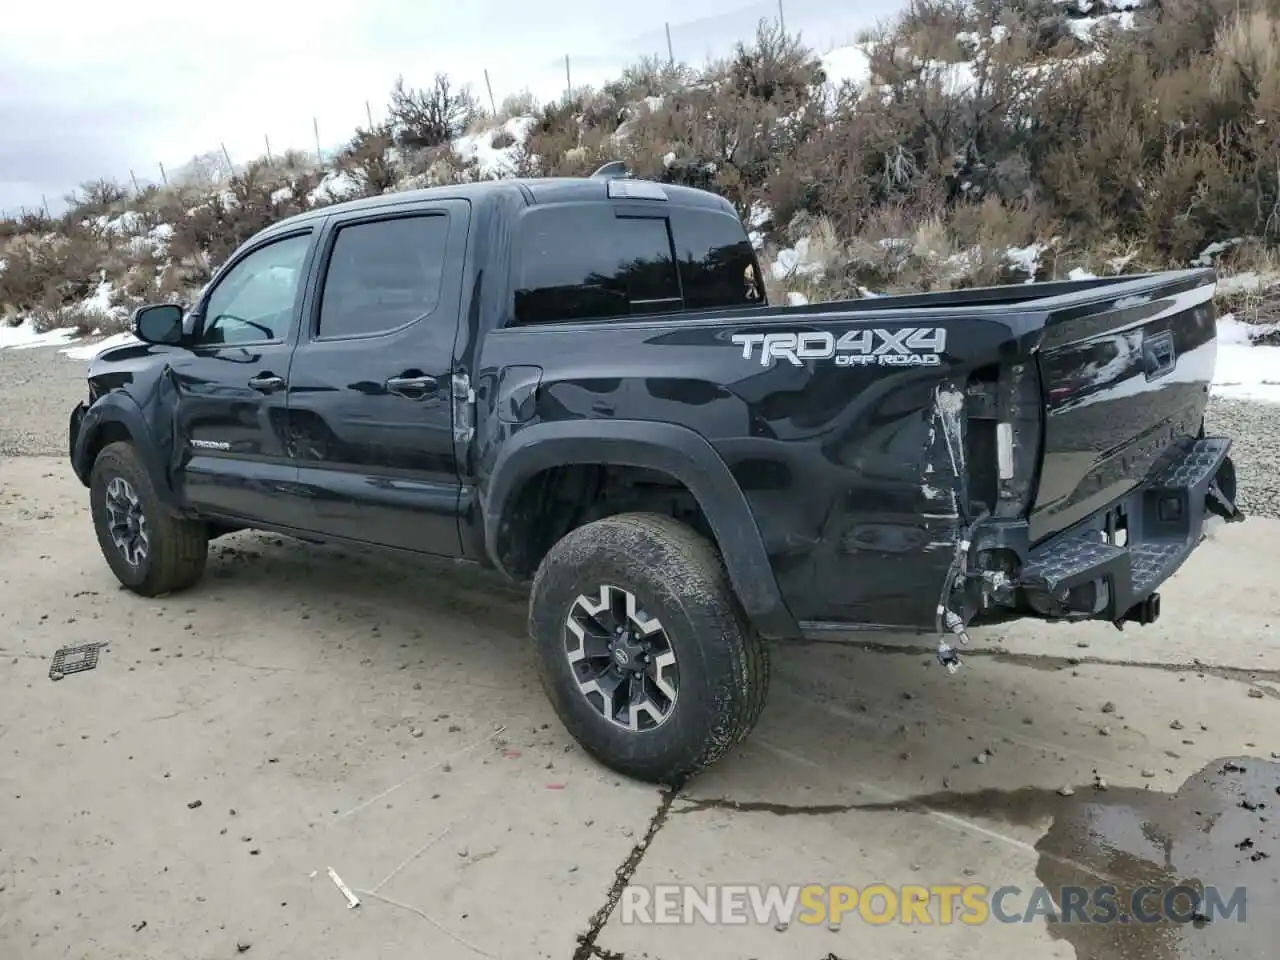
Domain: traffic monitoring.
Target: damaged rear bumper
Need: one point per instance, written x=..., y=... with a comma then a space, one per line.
x=1111, y=566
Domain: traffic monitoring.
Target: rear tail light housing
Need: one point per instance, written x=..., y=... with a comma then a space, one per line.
x=1005, y=424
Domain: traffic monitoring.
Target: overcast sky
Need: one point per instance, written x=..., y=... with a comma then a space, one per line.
x=90, y=90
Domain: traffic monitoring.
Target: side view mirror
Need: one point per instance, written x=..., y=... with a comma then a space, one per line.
x=158, y=323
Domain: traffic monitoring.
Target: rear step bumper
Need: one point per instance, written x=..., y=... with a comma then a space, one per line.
x=1089, y=572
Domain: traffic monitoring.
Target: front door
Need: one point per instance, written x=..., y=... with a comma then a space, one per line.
x=230, y=387
x=370, y=387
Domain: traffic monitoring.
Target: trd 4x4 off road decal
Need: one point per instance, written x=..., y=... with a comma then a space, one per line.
x=904, y=347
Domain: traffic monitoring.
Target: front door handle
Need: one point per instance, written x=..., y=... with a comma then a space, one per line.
x=267, y=383
x=412, y=388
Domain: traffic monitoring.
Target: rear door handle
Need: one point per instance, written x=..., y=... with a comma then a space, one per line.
x=412, y=388
x=267, y=383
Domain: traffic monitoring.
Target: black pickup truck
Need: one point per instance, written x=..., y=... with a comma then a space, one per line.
x=580, y=383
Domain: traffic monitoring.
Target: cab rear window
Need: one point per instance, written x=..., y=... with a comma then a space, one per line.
x=587, y=262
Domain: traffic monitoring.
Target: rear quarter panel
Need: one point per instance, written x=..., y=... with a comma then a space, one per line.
x=847, y=469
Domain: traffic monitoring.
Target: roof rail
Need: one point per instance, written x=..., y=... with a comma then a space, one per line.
x=613, y=170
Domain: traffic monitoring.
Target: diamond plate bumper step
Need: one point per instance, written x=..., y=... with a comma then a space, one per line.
x=1164, y=521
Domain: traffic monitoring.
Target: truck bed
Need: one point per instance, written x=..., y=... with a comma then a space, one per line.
x=1030, y=409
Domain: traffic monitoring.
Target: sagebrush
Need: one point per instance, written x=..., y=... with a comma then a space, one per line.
x=1114, y=142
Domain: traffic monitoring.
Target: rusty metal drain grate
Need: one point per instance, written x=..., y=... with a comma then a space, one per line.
x=74, y=660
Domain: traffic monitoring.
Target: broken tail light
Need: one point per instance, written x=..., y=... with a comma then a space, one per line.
x=1004, y=413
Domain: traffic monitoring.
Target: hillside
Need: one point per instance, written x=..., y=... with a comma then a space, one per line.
x=970, y=142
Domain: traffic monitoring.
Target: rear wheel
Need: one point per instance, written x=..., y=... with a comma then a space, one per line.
x=150, y=550
x=643, y=648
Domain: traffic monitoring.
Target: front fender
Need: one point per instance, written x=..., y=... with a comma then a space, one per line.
x=116, y=416
x=675, y=450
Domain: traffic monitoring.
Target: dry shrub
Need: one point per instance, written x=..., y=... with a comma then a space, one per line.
x=987, y=125
x=521, y=104
x=432, y=116
x=367, y=159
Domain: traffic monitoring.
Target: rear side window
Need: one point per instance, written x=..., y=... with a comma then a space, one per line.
x=585, y=263
x=383, y=275
x=717, y=264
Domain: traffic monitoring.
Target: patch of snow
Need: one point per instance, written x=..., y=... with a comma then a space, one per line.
x=1246, y=371
x=653, y=103
x=281, y=195
x=795, y=262
x=1026, y=259
x=1118, y=264
x=496, y=162
x=797, y=299
x=1212, y=250
x=156, y=240
x=101, y=300
x=1079, y=273
x=88, y=351
x=998, y=34
x=335, y=187
x=1248, y=281
x=759, y=215
x=670, y=159
x=849, y=64
x=128, y=222
x=1233, y=331
x=25, y=336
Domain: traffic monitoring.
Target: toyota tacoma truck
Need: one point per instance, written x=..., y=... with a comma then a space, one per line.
x=581, y=383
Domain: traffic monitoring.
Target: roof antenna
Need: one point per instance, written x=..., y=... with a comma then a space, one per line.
x=613, y=170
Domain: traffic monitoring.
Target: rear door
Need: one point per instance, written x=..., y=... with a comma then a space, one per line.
x=370, y=398
x=230, y=385
x=1125, y=376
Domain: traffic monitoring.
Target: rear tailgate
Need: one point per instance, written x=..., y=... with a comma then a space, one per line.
x=1125, y=376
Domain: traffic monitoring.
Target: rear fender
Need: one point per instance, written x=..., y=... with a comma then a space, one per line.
x=675, y=450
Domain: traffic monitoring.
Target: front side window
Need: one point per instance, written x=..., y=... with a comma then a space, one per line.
x=585, y=263
x=383, y=275
x=255, y=300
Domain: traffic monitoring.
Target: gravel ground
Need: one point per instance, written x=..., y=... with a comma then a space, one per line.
x=39, y=386
x=189, y=795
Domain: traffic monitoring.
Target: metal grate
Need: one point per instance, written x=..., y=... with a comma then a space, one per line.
x=74, y=660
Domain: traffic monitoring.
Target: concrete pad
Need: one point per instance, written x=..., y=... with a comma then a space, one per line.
x=372, y=717
x=850, y=782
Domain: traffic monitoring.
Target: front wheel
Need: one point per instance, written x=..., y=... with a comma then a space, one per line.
x=150, y=550
x=643, y=649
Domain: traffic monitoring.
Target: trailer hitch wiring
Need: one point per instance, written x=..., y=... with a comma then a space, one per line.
x=948, y=623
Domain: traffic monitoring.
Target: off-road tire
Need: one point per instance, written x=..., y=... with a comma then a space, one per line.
x=679, y=578
x=177, y=548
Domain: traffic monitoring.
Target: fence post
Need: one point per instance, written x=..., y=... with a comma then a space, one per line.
x=368, y=113
x=315, y=125
x=163, y=176
x=782, y=20
x=231, y=167
x=137, y=190
x=489, y=86
x=568, y=82
x=671, y=57
x=267, y=139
